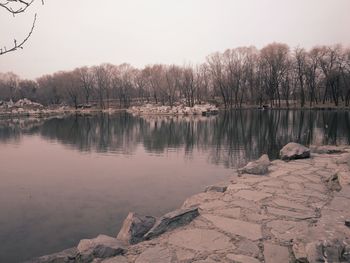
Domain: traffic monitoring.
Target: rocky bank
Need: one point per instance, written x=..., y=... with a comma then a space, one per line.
x=291, y=210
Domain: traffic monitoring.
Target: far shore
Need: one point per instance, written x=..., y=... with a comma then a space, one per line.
x=59, y=111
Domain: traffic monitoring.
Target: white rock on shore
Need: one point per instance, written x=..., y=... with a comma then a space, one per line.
x=175, y=110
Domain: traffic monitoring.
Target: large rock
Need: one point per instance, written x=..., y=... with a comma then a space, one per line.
x=172, y=220
x=328, y=251
x=100, y=247
x=135, y=227
x=294, y=151
x=258, y=167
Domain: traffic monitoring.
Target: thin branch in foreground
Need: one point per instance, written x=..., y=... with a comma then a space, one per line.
x=16, y=46
x=20, y=9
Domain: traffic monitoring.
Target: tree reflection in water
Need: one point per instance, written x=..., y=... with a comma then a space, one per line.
x=232, y=138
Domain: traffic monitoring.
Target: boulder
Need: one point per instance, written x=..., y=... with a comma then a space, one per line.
x=100, y=247
x=294, y=151
x=134, y=227
x=172, y=220
x=258, y=167
x=333, y=183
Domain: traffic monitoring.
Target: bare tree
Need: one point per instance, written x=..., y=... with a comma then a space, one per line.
x=86, y=79
x=274, y=58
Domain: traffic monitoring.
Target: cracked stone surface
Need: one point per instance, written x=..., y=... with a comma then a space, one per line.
x=236, y=227
x=156, y=254
x=273, y=218
x=201, y=240
x=275, y=253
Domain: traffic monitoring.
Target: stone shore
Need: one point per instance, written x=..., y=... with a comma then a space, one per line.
x=297, y=212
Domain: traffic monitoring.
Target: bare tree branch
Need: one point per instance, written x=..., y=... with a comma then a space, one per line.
x=16, y=7
x=16, y=46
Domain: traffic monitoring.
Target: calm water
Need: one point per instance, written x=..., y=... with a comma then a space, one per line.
x=67, y=179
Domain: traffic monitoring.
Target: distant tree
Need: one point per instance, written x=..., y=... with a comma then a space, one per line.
x=86, y=81
x=274, y=59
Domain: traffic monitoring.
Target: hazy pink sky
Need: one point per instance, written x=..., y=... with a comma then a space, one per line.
x=69, y=34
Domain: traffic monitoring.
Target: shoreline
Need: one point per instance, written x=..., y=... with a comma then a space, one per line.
x=296, y=210
x=27, y=108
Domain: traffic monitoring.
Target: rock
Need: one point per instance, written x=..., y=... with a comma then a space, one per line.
x=275, y=254
x=100, y=247
x=333, y=183
x=201, y=240
x=155, y=254
x=258, y=167
x=65, y=256
x=172, y=220
x=331, y=251
x=294, y=151
x=135, y=227
x=347, y=222
x=299, y=252
x=314, y=252
x=216, y=188
x=326, y=149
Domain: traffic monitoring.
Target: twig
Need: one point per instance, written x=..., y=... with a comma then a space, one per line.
x=20, y=45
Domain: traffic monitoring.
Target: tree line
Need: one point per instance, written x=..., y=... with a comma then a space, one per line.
x=275, y=75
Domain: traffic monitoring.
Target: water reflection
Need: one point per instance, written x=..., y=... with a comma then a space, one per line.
x=231, y=138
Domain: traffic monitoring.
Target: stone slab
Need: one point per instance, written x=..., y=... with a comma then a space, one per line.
x=275, y=254
x=236, y=227
x=229, y=212
x=157, y=254
x=242, y=259
x=289, y=204
x=288, y=230
x=252, y=195
x=287, y=213
x=201, y=240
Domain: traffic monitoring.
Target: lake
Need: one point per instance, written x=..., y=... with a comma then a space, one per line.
x=65, y=179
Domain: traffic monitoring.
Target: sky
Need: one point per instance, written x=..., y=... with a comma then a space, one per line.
x=70, y=34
